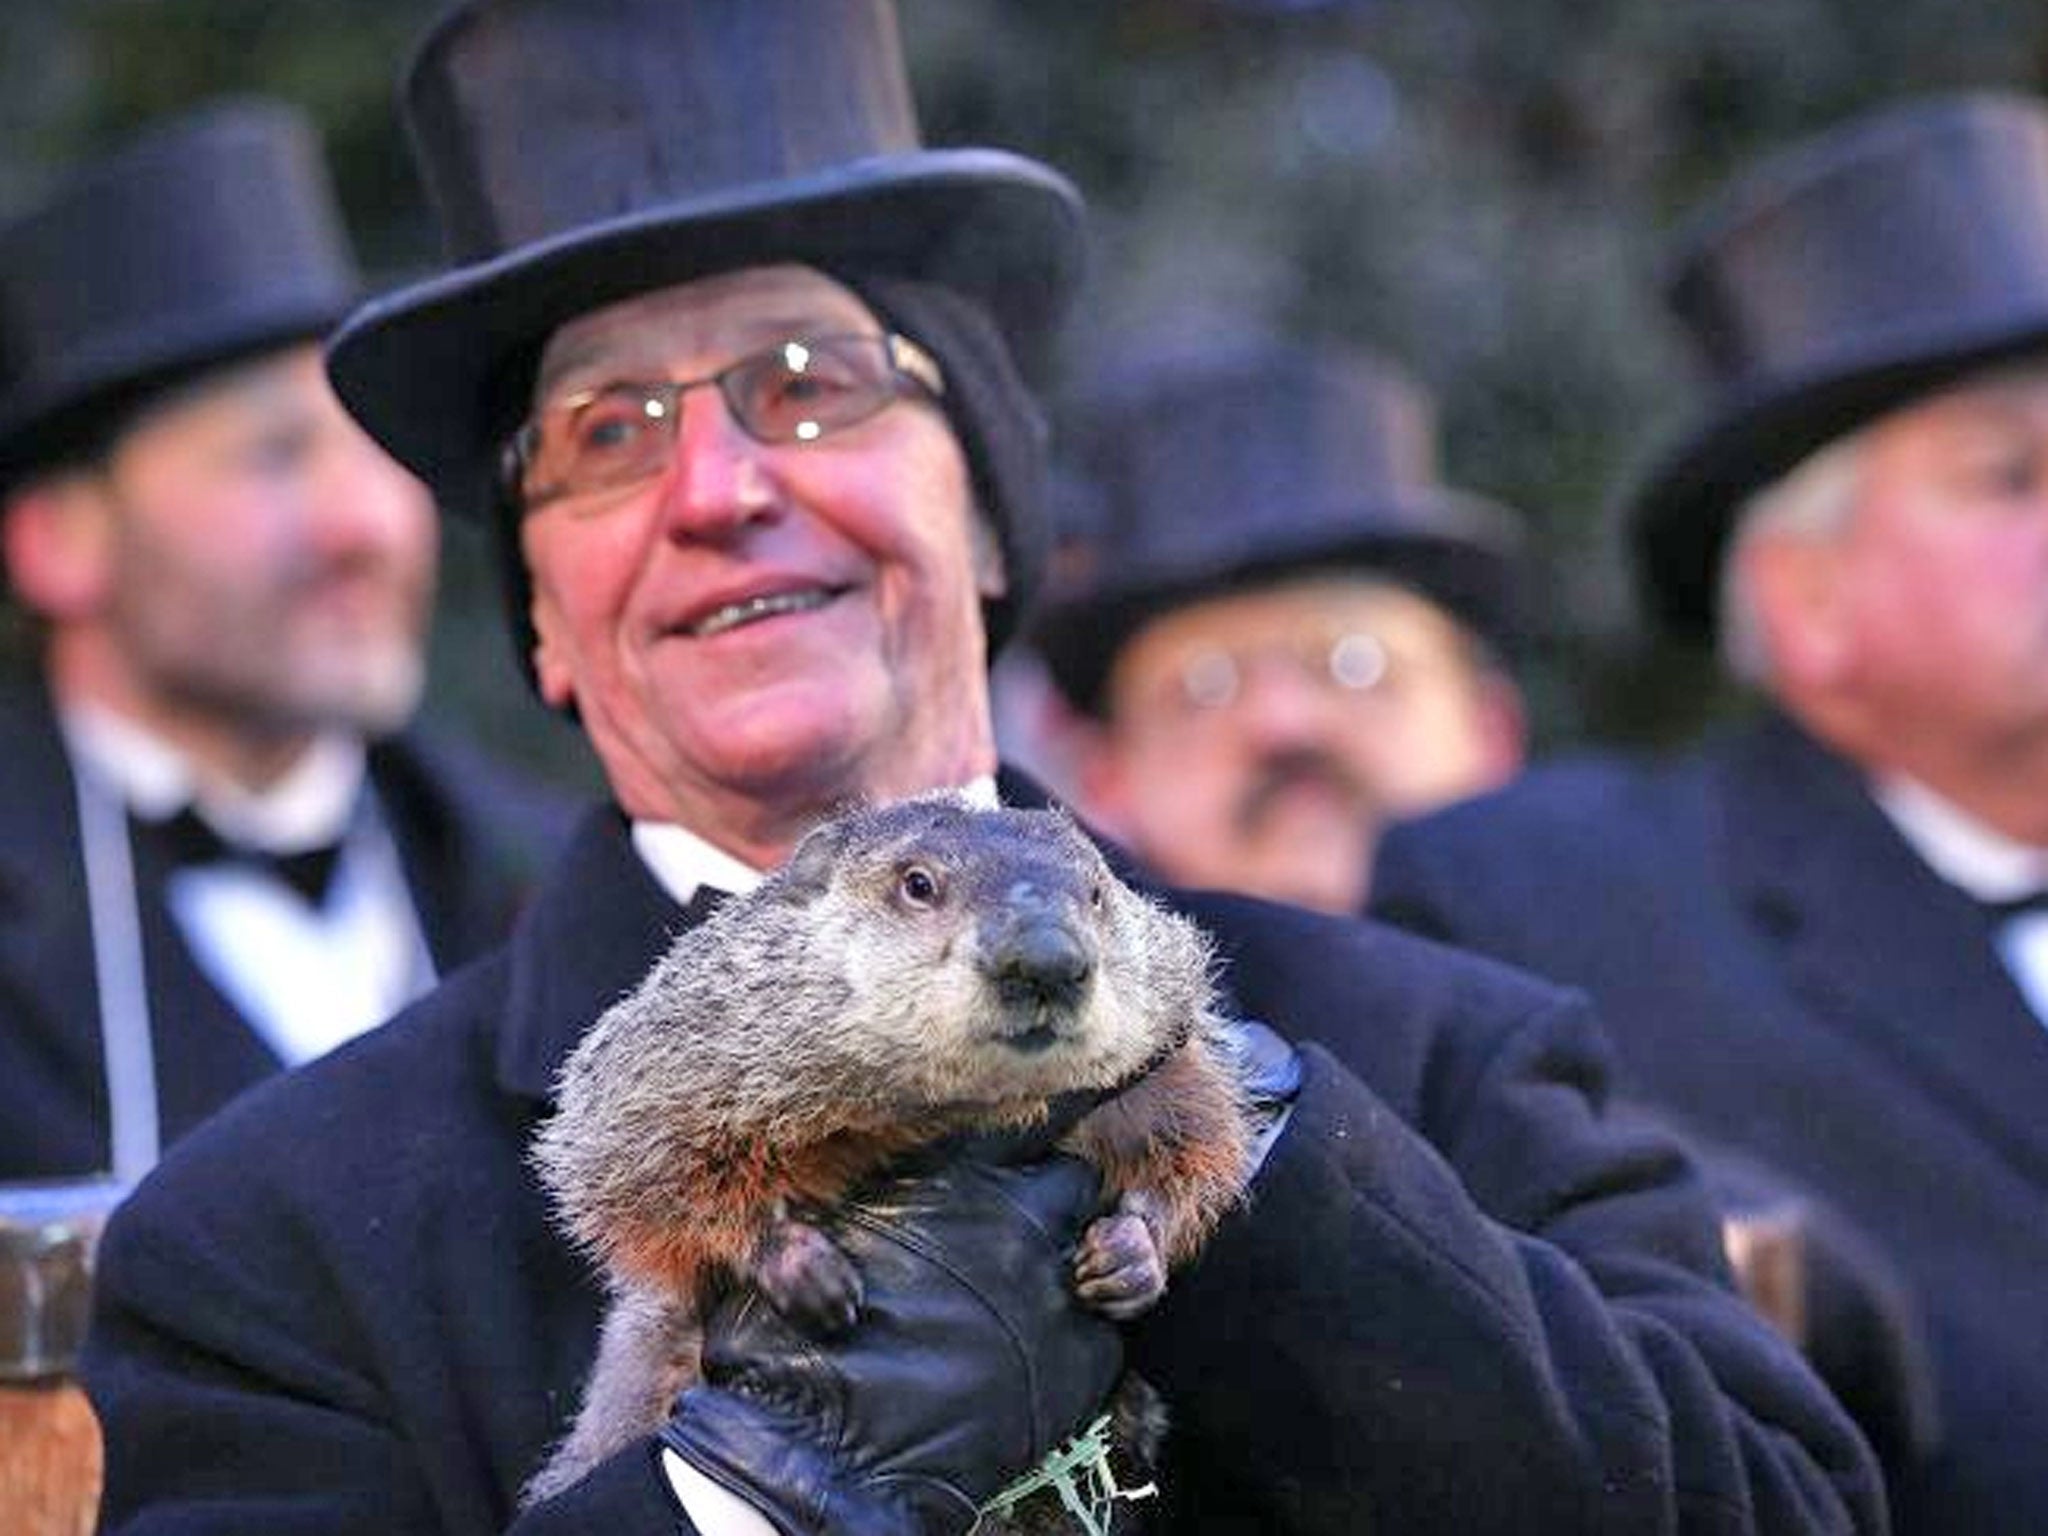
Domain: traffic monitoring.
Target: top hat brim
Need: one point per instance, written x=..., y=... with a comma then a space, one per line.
x=436, y=371
x=1460, y=551
x=1682, y=508
x=79, y=405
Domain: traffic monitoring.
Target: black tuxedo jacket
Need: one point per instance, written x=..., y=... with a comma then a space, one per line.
x=472, y=840
x=1781, y=970
x=1459, y=1299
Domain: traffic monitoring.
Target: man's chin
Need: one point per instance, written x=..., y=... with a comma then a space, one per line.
x=1322, y=884
x=374, y=697
x=1313, y=860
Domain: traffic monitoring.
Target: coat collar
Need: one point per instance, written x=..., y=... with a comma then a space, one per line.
x=1874, y=940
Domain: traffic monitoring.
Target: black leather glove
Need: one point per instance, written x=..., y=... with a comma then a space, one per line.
x=970, y=1361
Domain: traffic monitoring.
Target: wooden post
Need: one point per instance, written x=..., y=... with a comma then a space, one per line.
x=49, y=1459
x=50, y=1453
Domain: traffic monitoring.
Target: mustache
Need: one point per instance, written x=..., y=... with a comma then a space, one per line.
x=317, y=573
x=1304, y=767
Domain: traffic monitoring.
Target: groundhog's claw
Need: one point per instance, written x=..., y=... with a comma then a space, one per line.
x=807, y=1279
x=1117, y=1268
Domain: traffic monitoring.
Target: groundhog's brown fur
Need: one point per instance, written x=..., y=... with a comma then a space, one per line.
x=870, y=998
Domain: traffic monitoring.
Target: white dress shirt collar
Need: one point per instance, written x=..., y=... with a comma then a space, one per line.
x=305, y=978
x=311, y=804
x=1964, y=851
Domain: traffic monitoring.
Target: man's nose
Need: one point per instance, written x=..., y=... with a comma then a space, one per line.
x=369, y=501
x=1280, y=701
x=717, y=480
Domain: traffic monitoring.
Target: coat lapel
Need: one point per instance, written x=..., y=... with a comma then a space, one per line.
x=597, y=924
x=46, y=965
x=204, y=1050
x=474, y=839
x=1874, y=943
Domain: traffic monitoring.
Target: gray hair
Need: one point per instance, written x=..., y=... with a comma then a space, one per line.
x=1811, y=501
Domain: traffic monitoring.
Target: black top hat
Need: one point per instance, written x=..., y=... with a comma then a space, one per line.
x=581, y=151
x=1220, y=471
x=212, y=237
x=1832, y=283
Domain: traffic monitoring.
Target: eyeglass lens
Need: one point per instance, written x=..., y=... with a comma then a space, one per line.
x=795, y=391
x=1355, y=662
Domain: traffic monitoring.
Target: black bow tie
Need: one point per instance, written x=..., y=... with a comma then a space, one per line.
x=704, y=901
x=187, y=841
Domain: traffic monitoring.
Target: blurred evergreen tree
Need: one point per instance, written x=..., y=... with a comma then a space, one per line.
x=1482, y=187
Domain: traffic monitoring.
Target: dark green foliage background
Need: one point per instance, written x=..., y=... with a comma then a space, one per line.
x=1482, y=187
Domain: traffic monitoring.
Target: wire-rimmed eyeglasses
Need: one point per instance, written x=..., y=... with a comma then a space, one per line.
x=793, y=392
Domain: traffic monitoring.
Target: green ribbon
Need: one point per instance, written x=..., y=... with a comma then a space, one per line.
x=1080, y=1473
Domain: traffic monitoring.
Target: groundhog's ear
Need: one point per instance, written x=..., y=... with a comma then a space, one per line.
x=809, y=871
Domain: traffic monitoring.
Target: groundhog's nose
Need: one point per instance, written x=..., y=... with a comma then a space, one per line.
x=1039, y=963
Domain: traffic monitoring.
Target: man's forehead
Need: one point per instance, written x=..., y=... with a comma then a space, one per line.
x=1343, y=594
x=729, y=312
x=2016, y=386
x=290, y=380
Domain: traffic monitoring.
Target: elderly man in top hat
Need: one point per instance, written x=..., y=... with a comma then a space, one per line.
x=1795, y=931
x=1287, y=633
x=727, y=357
x=216, y=857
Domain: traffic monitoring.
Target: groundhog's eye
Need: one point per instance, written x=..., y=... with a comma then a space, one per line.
x=1095, y=897
x=919, y=886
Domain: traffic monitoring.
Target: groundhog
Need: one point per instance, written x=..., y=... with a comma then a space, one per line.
x=913, y=972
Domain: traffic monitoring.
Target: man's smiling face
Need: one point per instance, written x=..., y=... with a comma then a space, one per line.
x=761, y=629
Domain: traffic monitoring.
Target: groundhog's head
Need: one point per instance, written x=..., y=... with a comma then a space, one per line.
x=987, y=955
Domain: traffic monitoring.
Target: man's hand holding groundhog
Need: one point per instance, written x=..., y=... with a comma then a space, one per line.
x=969, y=1359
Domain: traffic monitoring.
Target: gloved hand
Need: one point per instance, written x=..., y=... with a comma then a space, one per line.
x=969, y=1362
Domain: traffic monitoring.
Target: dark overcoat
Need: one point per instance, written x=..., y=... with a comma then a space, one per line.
x=473, y=842
x=340, y=1307
x=1777, y=966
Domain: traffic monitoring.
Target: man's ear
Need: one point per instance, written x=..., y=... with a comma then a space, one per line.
x=1796, y=591
x=57, y=537
x=551, y=672
x=991, y=571
x=1503, y=724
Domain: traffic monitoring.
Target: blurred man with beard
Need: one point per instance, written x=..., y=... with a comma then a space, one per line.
x=1285, y=632
x=216, y=856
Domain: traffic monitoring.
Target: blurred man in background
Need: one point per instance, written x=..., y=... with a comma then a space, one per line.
x=217, y=855
x=1283, y=632
x=1811, y=937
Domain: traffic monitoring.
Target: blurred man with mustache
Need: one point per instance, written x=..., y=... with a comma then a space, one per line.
x=216, y=855
x=1286, y=633
x=1289, y=639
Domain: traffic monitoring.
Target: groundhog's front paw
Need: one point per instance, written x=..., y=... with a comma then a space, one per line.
x=807, y=1279
x=1118, y=1270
